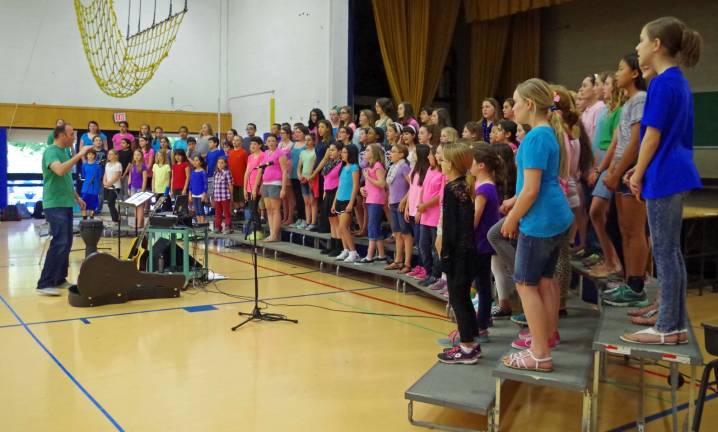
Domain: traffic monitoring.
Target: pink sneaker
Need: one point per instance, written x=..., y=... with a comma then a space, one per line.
x=413, y=271
x=526, y=334
x=521, y=344
x=420, y=274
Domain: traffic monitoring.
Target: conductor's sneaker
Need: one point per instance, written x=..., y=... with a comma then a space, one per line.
x=66, y=284
x=49, y=291
x=342, y=256
x=624, y=296
x=456, y=355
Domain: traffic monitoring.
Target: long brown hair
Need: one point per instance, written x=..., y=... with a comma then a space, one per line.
x=460, y=156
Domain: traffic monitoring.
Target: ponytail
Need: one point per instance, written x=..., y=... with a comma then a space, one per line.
x=558, y=130
x=680, y=41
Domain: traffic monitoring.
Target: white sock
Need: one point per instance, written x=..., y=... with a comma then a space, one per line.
x=466, y=350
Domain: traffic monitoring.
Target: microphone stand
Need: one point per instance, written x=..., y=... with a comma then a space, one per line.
x=256, y=313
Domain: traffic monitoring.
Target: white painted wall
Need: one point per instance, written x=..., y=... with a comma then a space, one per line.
x=56, y=72
x=295, y=51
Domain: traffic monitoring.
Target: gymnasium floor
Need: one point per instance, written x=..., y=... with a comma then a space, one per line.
x=155, y=366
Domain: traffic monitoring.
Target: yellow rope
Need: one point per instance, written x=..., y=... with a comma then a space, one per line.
x=122, y=66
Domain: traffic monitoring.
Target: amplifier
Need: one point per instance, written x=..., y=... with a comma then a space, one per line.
x=164, y=221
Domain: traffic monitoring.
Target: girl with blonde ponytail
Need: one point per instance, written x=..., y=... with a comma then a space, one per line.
x=540, y=218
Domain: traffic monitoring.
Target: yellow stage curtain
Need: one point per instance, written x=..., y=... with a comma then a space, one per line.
x=483, y=10
x=414, y=38
x=522, y=58
x=488, y=44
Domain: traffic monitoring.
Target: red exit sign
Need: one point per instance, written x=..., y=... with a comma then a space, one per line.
x=120, y=117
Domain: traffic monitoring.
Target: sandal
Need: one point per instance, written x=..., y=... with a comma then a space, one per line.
x=603, y=271
x=644, y=310
x=519, y=361
x=647, y=319
x=651, y=336
x=393, y=266
x=405, y=269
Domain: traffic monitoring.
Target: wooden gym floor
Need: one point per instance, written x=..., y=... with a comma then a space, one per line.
x=155, y=366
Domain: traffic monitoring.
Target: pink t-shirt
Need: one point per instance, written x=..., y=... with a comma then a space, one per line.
x=414, y=195
x=375, y=194
x=331, y=180
x=149, y=161
x=253, y=161
x=433, y=186
x=273, y=173
x=590, y=118
x=117, y=140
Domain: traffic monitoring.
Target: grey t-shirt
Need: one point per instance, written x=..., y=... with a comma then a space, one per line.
x=631, y=113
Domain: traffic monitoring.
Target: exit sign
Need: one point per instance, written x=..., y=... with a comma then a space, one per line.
x=120, y=117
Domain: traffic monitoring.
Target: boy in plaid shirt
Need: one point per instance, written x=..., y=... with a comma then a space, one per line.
x=222, y=197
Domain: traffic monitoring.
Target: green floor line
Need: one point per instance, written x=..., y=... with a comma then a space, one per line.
x=390, y=317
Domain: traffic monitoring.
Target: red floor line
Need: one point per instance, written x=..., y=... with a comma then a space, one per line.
x=335, y=287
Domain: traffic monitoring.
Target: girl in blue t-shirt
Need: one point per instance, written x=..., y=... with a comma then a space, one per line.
x=198, y=188
x=345, y=199
x=665, y=170
x=540, y=219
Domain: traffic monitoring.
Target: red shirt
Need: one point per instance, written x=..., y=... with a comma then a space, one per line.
x=238, y=165
x=179, y=175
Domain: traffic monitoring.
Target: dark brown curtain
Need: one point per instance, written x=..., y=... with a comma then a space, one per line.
x=482, y=10
x=522, y=57
x=414, y=38
x=488, y=45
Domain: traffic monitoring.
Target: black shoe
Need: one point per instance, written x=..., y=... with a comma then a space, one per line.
x=330, y=247
x=337, y=250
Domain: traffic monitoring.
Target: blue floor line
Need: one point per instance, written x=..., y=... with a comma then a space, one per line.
x=83, y=319
x=62, y=367
x=660, y=415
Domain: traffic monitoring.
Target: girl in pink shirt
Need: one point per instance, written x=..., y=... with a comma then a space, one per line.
x=375, y=192
x=255, y=158
x=427, y=216
x=413, y=199
x=329, y=169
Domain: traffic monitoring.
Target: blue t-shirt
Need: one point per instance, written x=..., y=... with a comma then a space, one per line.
x=86, y=140
x=346, y=182
x=197, y=182
x=180, y=144
x=549, y=215
x=212, y=158
x=296, y=151
x=669, y=108
x=92, y=178
x=156, y=145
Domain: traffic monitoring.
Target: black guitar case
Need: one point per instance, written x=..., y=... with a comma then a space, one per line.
x=106, y=280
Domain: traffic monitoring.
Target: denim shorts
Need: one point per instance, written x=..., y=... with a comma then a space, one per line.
x=198, y=206
x=398, y=224
x=536, y=258
x=600, y=190
x=375, y=212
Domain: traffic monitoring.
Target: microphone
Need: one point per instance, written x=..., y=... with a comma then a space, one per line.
x=264, y=165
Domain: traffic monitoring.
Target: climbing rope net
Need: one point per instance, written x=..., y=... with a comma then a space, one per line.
x=123, y=64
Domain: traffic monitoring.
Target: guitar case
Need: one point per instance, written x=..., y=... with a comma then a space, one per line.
x=106, y=280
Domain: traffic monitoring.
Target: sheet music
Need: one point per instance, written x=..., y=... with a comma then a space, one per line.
x=139, y=198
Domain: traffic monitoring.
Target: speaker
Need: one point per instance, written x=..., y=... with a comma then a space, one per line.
x=161, y=248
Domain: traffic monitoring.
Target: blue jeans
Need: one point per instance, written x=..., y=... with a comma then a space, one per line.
x=57, y=260
x=198, y=206
x=665, y=217
x=429, y=258
x=375, y=213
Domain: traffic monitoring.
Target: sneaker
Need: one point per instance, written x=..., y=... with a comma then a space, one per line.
x=519, y=319
x=226, y=231
x=365, y=260
x=353, y=257
x=457, y=356
x=66, y=284
x=497, y=312
x=624, y=296
x=49, y=291
x=380, y=258
x=342, y=256
x=302, y=225
x=413, y=271
x=311, y=227
x=297, y=223
x=429, y=281
x=439, y=285
x=521, y=344
x=420, y=274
